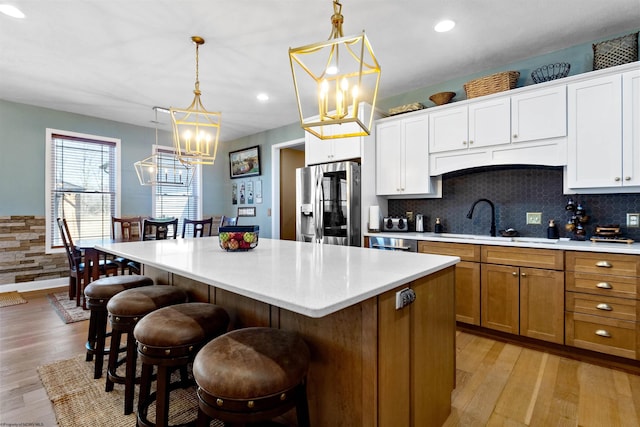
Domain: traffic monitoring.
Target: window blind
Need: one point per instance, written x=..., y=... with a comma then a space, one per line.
x=82, y=186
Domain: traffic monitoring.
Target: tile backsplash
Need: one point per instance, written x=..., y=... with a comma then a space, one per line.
x=516, y=190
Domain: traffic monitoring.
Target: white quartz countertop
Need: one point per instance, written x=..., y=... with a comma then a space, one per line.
x=523, y=242
x=307, y=278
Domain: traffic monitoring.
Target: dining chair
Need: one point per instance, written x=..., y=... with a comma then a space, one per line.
x=217, y=222
x=159, y=229
x=199, y=226
x=125, y=229
x=76, y=264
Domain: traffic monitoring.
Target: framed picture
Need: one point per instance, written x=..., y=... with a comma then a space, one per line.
x=246, y=211
x=245, y=163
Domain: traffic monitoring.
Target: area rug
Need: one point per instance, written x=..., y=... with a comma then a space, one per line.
x=11, y=298
x=67, y=309
x=80, y=400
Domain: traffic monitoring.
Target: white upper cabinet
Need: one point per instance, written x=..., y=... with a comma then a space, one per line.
x=603, y=135
x=331, y=150
x=477, y=124
x=402, y=158
x=539, y=114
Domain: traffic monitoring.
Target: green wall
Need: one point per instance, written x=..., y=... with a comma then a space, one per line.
x=23, y=127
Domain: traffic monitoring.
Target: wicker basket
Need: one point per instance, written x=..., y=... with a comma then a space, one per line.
x=610, y=53
x=498, y=82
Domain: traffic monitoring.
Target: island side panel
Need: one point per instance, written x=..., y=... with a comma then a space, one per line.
x=433, y=348
x=343, y=375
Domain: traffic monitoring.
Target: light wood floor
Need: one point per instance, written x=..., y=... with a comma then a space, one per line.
x=498, y=384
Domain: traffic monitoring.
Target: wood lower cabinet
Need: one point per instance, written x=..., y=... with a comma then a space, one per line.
x=467, y=277
x=602, y=303
x=520, y=299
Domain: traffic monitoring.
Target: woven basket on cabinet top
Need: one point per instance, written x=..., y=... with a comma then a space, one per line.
x=487, y=85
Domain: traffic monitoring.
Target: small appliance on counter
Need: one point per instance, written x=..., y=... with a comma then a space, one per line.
x=609, y=234
x=419, y=223
x=395, y=224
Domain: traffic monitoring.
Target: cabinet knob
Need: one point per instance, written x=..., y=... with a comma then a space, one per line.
x=515, y=273
x=603, y=306
x=515, y=135
x=464, y=142
x=470, y=142
x=617, y=179
x=523, y=274
x=603, y=333
x=627, y=178
x=604, y=285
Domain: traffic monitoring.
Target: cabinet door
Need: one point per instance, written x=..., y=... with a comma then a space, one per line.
x=388, y=157
x=490, y=122
x=448, y=130
x=500, y=298
x=542, y=304
x=631, y=128
x=468, y=292
x=539, y=114
x=414, y=161
x=317, y=150
x=594, y=133
x=346, y=148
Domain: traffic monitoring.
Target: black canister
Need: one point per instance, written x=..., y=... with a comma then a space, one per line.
x=552, y=230
x=438, y=228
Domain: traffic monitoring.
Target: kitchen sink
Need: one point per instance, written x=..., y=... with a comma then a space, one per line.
x=500, y=238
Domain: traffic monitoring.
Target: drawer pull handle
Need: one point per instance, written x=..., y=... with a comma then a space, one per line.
x=603, y=306
x=604, y=264
x=604, y=285
x=603, y=333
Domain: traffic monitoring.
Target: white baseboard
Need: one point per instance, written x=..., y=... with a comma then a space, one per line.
x=35, y=285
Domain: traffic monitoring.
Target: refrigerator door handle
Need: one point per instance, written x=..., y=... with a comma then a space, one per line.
x=319, y=213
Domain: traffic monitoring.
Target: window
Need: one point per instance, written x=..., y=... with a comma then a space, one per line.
x=82, y=185
x=178, y=202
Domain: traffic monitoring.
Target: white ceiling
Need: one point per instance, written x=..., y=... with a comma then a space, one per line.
x=116, y=59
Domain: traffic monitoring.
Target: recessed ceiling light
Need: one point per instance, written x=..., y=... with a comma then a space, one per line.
x=11, y=11
x=262, y=97
x=444, y=26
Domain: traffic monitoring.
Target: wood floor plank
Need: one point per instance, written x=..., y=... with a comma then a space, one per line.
x=498, y=384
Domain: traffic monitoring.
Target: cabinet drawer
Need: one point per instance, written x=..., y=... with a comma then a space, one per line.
x=466, y=252
x=602, y=284
x=550, y=259
x=603, y=263
x=601, y=334
x=596, y=305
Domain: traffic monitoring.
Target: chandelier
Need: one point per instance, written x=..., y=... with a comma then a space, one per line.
x=195, y=130
x=333, y=80
x=163, y=167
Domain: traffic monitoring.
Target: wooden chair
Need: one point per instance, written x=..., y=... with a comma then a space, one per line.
x=199, y=226
x=76, y=264
x=158, y=229
x=125, y=229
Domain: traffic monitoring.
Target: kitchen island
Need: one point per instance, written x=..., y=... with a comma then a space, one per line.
x=372, y=365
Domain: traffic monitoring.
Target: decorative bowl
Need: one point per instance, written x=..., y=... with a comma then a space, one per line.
x=442, y=98
x=550, y=72
x=238, y=238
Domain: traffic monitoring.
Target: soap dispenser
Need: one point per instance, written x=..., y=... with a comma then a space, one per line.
x=552, y=230
x=438, y=228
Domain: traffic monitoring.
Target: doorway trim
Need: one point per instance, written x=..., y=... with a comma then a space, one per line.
x=275, y=183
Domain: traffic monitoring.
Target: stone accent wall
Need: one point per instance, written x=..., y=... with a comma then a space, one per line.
x=22, y=251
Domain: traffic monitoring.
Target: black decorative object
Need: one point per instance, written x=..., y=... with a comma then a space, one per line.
x=550, y=72
x=578, y=219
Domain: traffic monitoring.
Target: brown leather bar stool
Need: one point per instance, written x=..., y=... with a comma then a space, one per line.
x=125, y=310
x=169, y=339
x=97, y=294
x=252, y=375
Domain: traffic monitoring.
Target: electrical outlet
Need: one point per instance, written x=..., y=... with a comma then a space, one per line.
x=534, y=217
x=404, y=298
x=633, y=220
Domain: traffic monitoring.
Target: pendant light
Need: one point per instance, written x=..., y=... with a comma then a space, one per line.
x=333, y=79
x=195, y=130
x=163, y=167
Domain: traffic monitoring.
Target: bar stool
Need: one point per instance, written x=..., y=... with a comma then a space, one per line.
x=169, y=339
x=252, y=375
x=125, y=310
x=97, y=294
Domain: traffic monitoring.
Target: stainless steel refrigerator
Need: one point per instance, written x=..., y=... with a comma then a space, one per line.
x=328, y=204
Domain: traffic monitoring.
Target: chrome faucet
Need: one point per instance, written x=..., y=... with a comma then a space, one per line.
x=492, y=232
